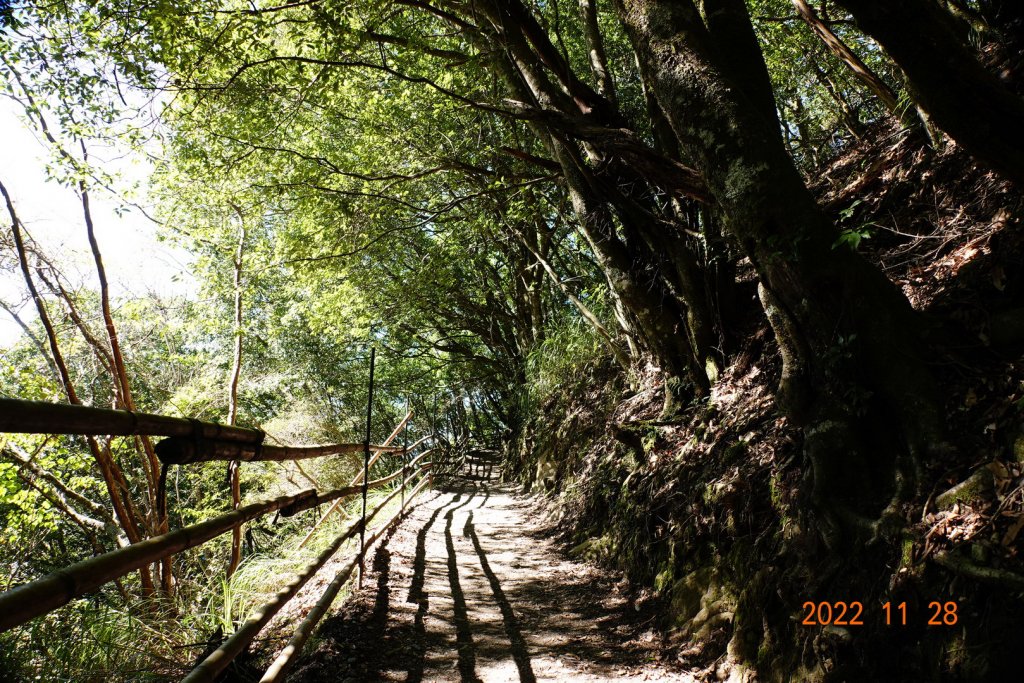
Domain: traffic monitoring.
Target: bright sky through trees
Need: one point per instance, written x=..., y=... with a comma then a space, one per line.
x=137, y=263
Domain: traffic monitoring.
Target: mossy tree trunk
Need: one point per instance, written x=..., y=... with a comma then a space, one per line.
x=848, y=337
x=637, y=280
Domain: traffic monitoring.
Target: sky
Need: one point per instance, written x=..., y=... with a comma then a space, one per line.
x=135, y=261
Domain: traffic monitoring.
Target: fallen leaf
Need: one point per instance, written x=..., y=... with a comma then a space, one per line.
x=1011, y=533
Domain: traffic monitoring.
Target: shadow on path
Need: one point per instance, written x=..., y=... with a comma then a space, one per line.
x=463, y=635
x=420, y=597
x=520, y=655
x=512, y=607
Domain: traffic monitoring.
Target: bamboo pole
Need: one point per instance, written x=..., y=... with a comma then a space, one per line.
x=359, y=477
x=41, y=417
x=208, y=670
x=185, y=450
x=54, y=590
x=334, y=507
x=280, y=667
x=387, y=449
x=49, y=592
x=190, y=440
x=405, y=446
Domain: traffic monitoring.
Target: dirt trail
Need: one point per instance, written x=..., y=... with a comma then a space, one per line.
x=468, y=589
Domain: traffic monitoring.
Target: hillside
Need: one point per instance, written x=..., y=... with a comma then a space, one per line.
x=707, y=513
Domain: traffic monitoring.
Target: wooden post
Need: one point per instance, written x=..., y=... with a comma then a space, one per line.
x=359, y=477
x=366, y=468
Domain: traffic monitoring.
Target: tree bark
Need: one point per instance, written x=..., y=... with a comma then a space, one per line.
x=848, y=336
x=236, y=373
x=728, y=22
x=634, y=282
x=596, y=51
x=662, y=324
x=150, y=464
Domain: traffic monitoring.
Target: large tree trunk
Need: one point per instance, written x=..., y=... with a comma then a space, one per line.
x=847, y=335
x=634, y=281
x=946, y=79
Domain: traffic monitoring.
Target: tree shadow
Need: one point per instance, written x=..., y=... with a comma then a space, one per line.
x=421, y=597
x=464, y=644
x=520, y=655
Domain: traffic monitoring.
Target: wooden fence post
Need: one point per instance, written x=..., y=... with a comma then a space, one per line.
x=405, y=450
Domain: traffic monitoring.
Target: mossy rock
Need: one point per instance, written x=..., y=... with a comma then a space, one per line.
x=1018, y=447
x=595, y=549
x=687, y=594
x=700, y=602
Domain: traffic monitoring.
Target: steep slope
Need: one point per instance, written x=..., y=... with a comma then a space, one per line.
x=709, y=516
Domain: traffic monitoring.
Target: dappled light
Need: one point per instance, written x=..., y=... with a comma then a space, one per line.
x=511, y=340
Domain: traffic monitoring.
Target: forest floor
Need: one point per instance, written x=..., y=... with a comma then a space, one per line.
x=469, y=587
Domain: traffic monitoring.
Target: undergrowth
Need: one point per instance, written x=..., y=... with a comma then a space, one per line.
x=96, y=638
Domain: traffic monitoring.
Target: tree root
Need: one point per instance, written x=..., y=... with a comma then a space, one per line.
x=959, y=564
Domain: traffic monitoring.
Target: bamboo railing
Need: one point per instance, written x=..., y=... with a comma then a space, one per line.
x=208, y=670
x=191, y=441
x=188, y=440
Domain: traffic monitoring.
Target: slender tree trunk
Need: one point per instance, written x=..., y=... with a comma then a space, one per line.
x=236, y=373
x=620, y=357
x=596, y=51
x=847, y=113
x=946, y=79
x=663, y=326
x=119, y=376
x=100, y=519
x=117, y=487
x=150, y=464
x=857, y=67
x=101, y=352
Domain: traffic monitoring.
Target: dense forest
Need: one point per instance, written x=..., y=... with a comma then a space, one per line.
x=733, y=286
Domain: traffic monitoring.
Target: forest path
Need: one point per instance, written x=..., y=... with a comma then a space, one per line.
x=466, y=589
